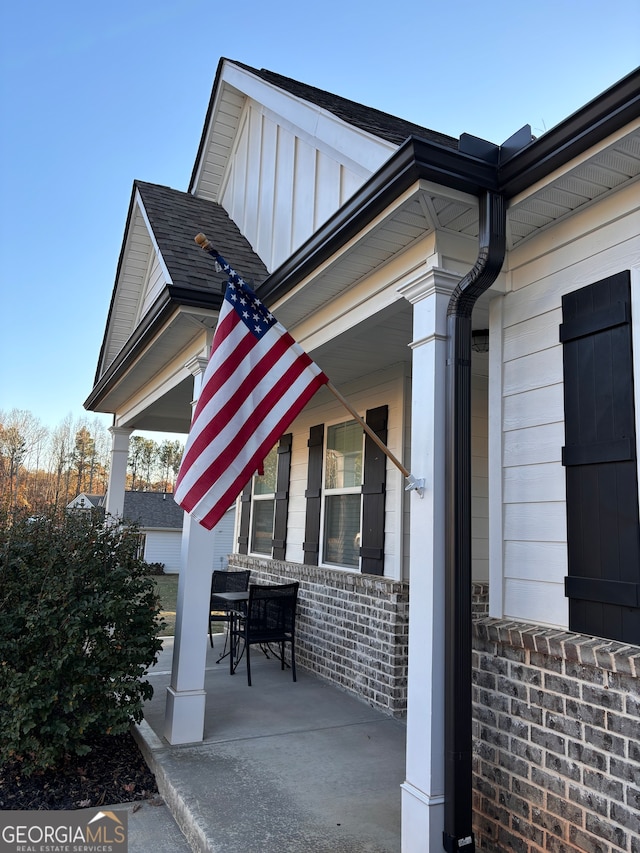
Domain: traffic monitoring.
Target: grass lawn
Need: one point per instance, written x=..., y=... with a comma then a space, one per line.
x=167, y=586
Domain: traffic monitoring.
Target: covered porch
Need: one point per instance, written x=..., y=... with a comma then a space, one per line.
x=282, y=766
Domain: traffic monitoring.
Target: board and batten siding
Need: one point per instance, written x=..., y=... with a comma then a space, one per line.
x=155, y=281
x=527, y=505
x=130, y=286
x=280, y=187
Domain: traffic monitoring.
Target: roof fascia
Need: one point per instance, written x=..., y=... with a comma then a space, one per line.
x=123, y=247
x=172, y=298
x=601, y=117
x=417, y=159
x=207, y=121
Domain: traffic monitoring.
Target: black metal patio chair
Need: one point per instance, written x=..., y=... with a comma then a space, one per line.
x=225, y=581
x=270, y=618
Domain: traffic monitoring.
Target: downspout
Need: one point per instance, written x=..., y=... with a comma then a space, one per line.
x=458, y=809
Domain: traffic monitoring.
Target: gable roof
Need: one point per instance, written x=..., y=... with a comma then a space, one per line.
x=152, y=510
x=176, y=217
x=94, y=501
x=381, y=124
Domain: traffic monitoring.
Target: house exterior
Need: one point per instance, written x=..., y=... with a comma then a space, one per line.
x=160, y=521
x=393, y=254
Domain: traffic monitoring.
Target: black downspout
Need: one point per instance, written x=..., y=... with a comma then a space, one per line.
x=458, y=808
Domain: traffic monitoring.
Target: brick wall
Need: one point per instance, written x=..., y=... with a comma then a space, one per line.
x=556, y=741
x=352, y=629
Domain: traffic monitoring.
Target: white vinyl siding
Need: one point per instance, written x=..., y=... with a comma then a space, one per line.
x=532, y=519
x=163, y=546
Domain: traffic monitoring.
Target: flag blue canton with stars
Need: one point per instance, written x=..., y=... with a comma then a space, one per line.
x=249, y=308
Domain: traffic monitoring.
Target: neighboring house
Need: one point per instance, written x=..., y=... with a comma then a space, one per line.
x=479, y=305
x=86, y=502
x=160, y=521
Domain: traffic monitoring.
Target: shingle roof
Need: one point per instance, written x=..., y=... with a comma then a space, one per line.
x=176, y=217
x=152, y=509
x=382, y=124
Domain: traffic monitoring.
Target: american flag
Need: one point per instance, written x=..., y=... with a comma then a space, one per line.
x=257, y=381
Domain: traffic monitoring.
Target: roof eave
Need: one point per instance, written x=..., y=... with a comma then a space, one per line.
x=421, y=159
x=171, y=298
x=593, y=123
x=417, y=159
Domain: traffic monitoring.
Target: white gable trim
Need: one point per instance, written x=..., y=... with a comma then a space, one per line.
x=140, y=204
x=310, y=120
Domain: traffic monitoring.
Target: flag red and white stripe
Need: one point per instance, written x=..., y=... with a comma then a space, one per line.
x=257, y=381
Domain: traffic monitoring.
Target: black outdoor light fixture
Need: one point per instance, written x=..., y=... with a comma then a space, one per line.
x=480, y=340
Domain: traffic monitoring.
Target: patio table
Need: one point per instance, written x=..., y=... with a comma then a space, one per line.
x=235, y=601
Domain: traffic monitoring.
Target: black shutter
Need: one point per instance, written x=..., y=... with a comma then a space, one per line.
x=313, y=494
x=603, y=531
x=373, y=495
x=282, y=498
x=245, y=516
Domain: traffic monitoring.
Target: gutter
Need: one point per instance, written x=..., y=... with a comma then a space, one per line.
x=458, y=807
x=517, y=166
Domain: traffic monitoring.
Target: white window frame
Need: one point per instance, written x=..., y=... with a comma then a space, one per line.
x=346, y=490
x=258, y=498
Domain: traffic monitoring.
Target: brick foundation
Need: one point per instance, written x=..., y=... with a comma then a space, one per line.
x=556, y=741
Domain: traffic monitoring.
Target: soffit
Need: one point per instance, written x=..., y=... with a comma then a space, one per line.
x=428, y=207
x=577, y=185
x=185, y=329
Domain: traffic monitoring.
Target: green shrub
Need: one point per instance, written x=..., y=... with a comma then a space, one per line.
x=78, y=630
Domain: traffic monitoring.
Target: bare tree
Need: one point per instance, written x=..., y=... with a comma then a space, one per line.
x=169, y=457
x=20, y=443
x=61, y=450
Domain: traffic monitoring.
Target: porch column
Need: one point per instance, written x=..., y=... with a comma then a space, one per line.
x=423, y=788
x=117, y=470
x=186, y=697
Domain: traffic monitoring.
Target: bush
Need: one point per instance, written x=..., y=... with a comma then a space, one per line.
x=78, y=630
x=154, y=568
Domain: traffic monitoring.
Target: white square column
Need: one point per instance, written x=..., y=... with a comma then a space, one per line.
x=117, y=470
x=423, y=788
x=186, y=696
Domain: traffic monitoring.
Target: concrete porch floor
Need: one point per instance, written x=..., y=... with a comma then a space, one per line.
x=284, y=767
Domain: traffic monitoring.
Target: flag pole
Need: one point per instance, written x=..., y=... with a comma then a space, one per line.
x=412, y=482
x=365, y=426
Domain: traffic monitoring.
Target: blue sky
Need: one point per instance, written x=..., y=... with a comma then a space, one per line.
x=93, y=96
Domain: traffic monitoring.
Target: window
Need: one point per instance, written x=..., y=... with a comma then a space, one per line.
x=142, y=544
x=263, y=506
x=343, y=494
